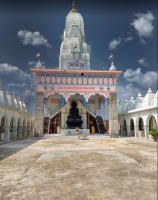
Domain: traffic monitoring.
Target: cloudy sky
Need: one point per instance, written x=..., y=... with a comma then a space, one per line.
x=126, y=29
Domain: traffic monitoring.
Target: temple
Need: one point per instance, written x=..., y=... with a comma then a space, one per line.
x=71, y=96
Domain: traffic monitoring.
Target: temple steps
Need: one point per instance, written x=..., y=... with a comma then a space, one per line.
x=100, y=125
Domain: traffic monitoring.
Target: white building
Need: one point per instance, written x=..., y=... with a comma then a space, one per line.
x=74, y=52
x=138, y=116
x=15, y=121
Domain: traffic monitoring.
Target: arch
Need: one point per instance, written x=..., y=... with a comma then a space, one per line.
x=125, y=127
x=152, y=123
x=18, y=127
x=131, y=124
x=28, y=123
x=141, y=124
x=148, y=119
x=12, y=125
x=5, y=120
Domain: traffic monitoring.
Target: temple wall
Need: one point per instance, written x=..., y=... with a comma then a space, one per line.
x=145, y=115
x=113, y=115
x=39, y=113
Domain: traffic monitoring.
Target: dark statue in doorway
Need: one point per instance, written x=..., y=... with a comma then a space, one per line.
x=74, y=119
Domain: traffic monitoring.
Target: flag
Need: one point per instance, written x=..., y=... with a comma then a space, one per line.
x=110, y=56
x=75, y=45
x=37, y=54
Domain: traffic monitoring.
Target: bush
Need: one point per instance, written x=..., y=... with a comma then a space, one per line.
x=154, y=133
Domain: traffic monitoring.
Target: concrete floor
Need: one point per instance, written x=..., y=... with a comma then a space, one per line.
x=65, y=168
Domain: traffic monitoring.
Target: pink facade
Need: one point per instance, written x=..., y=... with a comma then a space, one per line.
x=71, y=82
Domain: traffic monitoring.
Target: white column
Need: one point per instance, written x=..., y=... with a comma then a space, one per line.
x=113, y=115
x=128, y=130
x=14, y=134
x=39, y=113
x=6, y=134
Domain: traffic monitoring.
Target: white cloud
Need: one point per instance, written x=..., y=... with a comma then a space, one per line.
x=142, y=41
x=114, y=43
x=36, y=39
x=143, y=24
x=127, y=91
x=14, y=73
x=128, y=39
x=143, y=62
x=16, y=85
x=149, y=78
x=27, y=92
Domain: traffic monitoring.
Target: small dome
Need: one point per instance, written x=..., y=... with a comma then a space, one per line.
x=140, y=94
x=132, y=97
x=20, y=104
x=39, y=65
x=149, y=90
x=24, y=106
x=112, y=67
x=16, y=104
x=126, y=100
x=2, y=98
x=10, y=99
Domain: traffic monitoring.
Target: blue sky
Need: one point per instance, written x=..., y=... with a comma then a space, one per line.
x=126, y=29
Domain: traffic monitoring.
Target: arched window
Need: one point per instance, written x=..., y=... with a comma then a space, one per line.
x=132, y=125
x=141, y=124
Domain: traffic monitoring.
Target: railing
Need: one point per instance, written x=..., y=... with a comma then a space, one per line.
x=53, y=112
x=91, y=113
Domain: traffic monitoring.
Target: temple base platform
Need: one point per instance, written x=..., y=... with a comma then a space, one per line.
x=74, y=132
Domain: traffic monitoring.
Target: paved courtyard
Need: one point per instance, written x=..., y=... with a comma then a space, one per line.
x=65, y=168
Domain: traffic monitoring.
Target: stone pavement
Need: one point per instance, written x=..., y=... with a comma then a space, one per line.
x=65, y=168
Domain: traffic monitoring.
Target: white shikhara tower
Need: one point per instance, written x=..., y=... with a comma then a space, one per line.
x=74, y=52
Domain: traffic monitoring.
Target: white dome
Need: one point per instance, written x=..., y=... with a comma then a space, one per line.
x=148, y=98
x=74, y=17
x=3, y=98
x=39, y=65
x=20, y=104
x=112, y=67
x=16, y=104
x=10, y=99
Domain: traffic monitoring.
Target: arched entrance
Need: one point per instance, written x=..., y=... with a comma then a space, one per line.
x=125, y=127
x=141, y=127
x=152, y=123
x=24, y=129
x=54, y=123
x=19, y=129
x=132, y=127
x=2, y=129
x=11, y=129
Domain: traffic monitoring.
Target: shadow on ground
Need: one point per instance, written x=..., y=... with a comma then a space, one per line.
x=8, y=149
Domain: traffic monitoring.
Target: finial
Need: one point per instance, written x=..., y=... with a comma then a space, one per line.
x=149, y=90
x=73, y=5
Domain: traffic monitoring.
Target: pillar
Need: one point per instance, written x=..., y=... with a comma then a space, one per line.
x=122, y=129
x=62, y=101
x=39, y=113
x=84, y=102
x=146, y=130
x=24, y=131
x=84, y=118
x=20, y=132
x=113, y=115
x=6, y=134
x=136, y=129
x=14, y=134
x=128, y=130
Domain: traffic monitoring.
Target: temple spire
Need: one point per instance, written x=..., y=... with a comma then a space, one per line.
x=73, y=5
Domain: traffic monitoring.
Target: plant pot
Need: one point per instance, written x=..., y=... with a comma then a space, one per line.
x=155, y=139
